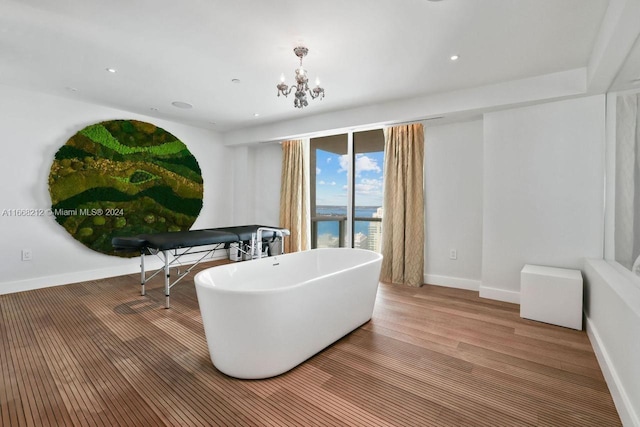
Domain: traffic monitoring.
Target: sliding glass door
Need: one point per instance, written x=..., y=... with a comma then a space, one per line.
x=346, y=190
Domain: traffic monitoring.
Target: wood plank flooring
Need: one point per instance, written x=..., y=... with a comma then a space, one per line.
x=97, y=353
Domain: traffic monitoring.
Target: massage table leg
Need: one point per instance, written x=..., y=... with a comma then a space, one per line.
x=166, y=278
x=142, y=273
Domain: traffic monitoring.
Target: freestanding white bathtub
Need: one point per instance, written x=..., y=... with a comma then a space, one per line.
x=262, y=318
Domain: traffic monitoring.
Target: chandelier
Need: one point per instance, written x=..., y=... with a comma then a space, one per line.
x=301, y=87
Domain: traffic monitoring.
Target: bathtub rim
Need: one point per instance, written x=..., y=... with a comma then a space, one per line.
x=378, y=258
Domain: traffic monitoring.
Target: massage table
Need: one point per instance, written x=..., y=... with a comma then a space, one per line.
x=171, y=246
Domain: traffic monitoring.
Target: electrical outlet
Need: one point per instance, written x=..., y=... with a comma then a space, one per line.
x=453, y=254
x=27, y=255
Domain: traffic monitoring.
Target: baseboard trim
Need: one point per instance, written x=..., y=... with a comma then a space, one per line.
x=452, y=282
x=500, y=294
x=83, y=276
x=620, y=398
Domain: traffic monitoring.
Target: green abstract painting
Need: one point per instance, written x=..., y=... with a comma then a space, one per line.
x=122, y=178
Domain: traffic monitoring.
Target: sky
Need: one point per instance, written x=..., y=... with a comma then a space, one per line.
x=331, y=178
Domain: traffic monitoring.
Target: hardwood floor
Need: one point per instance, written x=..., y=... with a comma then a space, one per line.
x=97, y=353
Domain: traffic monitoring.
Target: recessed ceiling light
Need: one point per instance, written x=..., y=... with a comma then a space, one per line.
x=71, y=89
x=454, y=57
x=256, y=114
x=236, y=81
x=180, y=104
x=111, y=70
x=154, y=109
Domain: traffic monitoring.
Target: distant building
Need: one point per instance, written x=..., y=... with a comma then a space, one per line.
x=375, y=232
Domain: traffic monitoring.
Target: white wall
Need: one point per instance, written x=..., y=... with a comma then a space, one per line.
x=543, y=190
x=255, y=183
x=34, y=126
x=266, y=164
x=239, y=179
x=453, y=204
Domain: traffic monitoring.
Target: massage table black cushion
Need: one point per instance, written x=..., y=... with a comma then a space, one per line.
x=185, y=239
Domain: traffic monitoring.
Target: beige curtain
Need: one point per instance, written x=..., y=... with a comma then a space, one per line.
x=403, y=220
x=293, y=196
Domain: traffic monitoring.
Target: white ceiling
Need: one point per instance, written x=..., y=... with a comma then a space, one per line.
x=364, y=51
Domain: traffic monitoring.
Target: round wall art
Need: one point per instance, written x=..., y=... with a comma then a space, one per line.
x=122, y=178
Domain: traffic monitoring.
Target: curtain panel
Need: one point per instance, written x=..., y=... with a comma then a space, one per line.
x=293, y=196
x=403, y=219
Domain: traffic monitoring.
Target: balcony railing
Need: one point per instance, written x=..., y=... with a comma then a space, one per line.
x=341, y=222
x=339, y=240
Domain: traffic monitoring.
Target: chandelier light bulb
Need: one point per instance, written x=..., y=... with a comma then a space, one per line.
x=318, y=81
x=300, y=87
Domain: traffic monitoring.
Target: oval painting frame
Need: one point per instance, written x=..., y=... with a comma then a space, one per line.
x=123, y=178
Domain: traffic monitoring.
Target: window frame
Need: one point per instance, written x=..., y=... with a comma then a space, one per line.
x=610, y=188
x=346, y=225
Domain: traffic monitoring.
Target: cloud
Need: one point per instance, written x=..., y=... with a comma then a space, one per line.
x=321, y=183
x=328, y=159
x=369, y=187
x=318, y=170
x=363, y=164
x=344, y=163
